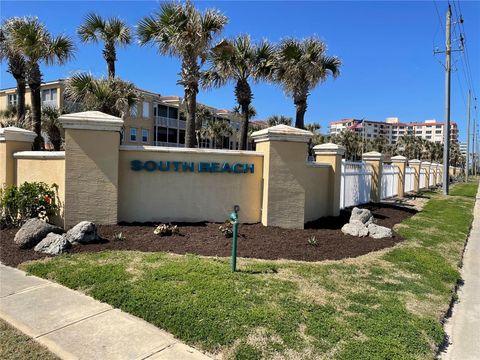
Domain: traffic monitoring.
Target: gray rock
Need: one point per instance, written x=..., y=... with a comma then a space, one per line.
x=53, y=244
x=355, y=228
x=379, y=232
x=33, y=231
x=363, y=215
x=82, y=233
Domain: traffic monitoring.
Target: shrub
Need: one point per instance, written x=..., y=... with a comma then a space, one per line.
x=166, y=230
x=29, y=200
x=226, y=229
x=119, y=237
x=312, y=241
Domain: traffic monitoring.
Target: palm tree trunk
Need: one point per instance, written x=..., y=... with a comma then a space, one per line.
x=190, y=76
x=21, y=84
x=300, y=108
x=111, y=69
x=34, y=82
x=244, y=126
x=110, y=55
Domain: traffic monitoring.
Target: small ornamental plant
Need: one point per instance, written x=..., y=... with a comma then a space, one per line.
x=226, y=229
x=166, y=230
x=119, y=237
x=29, y=200
x=312, y=241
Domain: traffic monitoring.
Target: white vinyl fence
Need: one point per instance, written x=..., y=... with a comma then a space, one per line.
x=409, y=178
x=431, y=179
x=355, y=184
x=389, y=181
x=423, y=178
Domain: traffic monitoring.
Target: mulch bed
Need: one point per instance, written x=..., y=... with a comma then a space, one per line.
x=255, y=240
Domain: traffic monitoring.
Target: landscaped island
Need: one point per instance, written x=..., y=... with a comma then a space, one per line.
x=386, y=304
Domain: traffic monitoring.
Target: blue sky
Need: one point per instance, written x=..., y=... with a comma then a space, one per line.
x=386, y=48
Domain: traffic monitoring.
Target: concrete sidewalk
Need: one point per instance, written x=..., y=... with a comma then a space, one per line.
x=463, y=328
x=75, y=326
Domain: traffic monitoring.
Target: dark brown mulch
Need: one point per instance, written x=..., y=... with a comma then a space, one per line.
x=255, y=240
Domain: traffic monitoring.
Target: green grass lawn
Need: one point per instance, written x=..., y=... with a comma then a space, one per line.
x=384, y=305
x=14, y=345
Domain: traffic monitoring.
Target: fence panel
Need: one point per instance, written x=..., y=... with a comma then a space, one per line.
x=389, y=181
x=431, y=178
x=356, y=182
x=423, y=178
x=409, y=178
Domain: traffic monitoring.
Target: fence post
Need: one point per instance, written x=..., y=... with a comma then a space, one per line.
x=416, y=164
x=426, y=165
x=375, y=160
x=401, y=162
x=285, y=150
x=332, y=154
x=92, y=141
x=12, y=140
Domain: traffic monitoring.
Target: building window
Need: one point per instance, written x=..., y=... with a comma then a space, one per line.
x=181, y=136
x=144, y=135
x=428, y=131
x=162, y=134
x=146, y=109
x=438, y=131
x=49, y=97
x=173, y=113
x=12, y=99
x=172, y=135
x=162, y=110
x=133, y=134
x=133, y=110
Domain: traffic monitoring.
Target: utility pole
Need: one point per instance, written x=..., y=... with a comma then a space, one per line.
x=468, y=139
x=446, y=125
x=474, y=167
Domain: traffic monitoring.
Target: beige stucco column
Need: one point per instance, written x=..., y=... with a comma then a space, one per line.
x=426, y=165
x=416, y=164
x=332, y=154
x=285, y=150
x=400, y=162
x=12, y=140
x=92, y=141
x=375, y=160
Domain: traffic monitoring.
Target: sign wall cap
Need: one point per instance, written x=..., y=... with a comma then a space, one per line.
x=372, y=155
x=282, y=133
x=329, y=149
x=91, y=120
x=426, y=163
x=13, y=133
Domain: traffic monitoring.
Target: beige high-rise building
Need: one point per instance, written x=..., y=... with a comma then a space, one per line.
x=392, y=129
x=155, y=120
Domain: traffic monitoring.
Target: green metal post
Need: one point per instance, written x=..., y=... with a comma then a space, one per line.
x=234, y=247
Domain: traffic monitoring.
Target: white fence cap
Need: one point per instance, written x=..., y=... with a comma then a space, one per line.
x=372, y=155
x=13, y=133
x=414, y=161
x=282, y=133
x=91, y=120
x=398, y=158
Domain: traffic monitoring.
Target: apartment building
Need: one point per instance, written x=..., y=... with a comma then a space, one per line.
x=155, y=120
x=392, y=129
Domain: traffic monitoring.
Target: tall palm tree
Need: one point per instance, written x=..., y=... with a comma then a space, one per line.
x=216, y=130
x=279, y=119
x=183, y=31
x=17, y=65
x=313, y=127
x=111, y=31
x=112, y=96
x=51, y=125
x=302, y=65
x=239, y=60
x=34, y=42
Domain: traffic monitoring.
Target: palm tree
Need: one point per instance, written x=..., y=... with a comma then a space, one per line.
x=216, y=130
x=302, y=65
x=111, y=31
x=112, y=96
x=239, y=61
x=181, y=30
x=313, y=127
x=17, y=65
x=33, y=41
x=8, y=117
x=352, y=142
x=52, y=126
x=279, y=119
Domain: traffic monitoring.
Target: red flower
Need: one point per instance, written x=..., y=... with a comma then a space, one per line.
x=47, y=199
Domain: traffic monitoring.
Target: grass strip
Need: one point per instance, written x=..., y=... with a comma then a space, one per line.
x=384, y=305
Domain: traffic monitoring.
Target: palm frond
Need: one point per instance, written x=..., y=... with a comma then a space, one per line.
x=90, y=28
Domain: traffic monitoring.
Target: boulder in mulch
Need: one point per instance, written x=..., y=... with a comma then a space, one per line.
x=33, y=231
x=83, y=233
x=379, y=232
x=53, y=244
x=355, y=228
x=363, y=215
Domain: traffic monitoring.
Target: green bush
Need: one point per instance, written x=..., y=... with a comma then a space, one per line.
x=29, y=200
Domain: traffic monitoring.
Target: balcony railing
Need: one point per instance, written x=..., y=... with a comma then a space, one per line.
x=167, y=144
x=171, y=123
x=50, y=103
